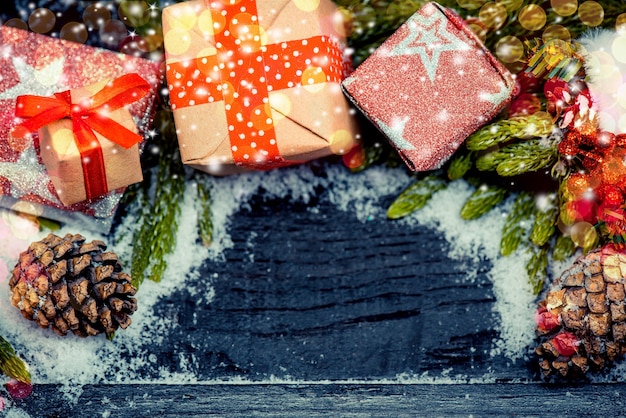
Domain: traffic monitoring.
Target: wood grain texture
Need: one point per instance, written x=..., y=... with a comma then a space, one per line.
x=527, y=400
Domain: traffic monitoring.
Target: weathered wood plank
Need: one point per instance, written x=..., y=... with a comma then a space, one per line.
x=330, y=400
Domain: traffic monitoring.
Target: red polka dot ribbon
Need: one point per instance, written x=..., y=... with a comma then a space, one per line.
x=243, y=72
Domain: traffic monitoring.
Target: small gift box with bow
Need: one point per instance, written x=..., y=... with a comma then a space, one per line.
x=87, y=109
x=255, y=84
x=88, y=140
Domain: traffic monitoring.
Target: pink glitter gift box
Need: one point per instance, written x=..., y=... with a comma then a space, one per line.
x=33, y=64
x=429, y=86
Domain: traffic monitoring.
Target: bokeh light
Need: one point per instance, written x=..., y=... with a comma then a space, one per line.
x=564, y=7
x=95, y=16
x=113, y=32
x=556, y=32
x=134, y=13
x=41, y=20
x=470, y=4
x=532, y=17
x=493, y=15
x=16, y=23
x=509, y=49
x=75, y=32
x=591, y=13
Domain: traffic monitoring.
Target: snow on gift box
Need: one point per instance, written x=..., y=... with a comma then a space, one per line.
x=429, y=86
x=256, y=84
x=38, y=65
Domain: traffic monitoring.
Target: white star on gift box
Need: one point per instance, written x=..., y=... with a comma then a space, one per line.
x=27, y=176
x=428, y=38
x=44, y=82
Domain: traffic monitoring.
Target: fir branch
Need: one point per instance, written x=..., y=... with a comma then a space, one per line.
x=514, y=229
x=490, y=161
x=205, y=218
x=505, y=130
x=537, y=268
x=563, y=248
x=460, y=165
x=482, y=201
x=155, y=236
x=545, y=223
x=11, y=364
x=524, y=157
x=415, y=196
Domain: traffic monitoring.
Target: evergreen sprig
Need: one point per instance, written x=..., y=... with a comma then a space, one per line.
x=485, y=198
x=155, y=237
x=505, y=130
x=519, y=158
x=415, y=196
x=460, y=165
x=11, y=364
x=537, y=267
x=205, y=218
x=514, y=228
x=563, y=248
x=545, y=222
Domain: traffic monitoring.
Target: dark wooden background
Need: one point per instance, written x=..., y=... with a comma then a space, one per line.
x=319, y=314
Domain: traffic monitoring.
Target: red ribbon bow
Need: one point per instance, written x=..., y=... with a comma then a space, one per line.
x=88, y=116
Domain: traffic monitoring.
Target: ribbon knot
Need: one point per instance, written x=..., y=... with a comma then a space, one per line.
x=88, y=117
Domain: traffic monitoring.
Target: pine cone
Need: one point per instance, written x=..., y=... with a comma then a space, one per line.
x=72, y=285
x=582, y=321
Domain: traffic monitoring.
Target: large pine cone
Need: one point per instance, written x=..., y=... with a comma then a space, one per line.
x=72, y=285
x=582, y=321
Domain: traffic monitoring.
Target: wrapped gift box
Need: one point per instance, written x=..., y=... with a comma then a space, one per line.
x=256, y=84
x=38, y=65
x=429, y=86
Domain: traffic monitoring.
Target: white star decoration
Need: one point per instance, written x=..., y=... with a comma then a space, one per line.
x=429, y=38
x=496, y=98
x=27, y=176
x=44, y=82
x=395, y=132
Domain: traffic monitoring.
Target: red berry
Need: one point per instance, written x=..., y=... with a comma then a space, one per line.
x=19, y=390
x=546, y=320
x=566, y=343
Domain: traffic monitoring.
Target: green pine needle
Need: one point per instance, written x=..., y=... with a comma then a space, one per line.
x=482, y=201
x=459, y=166
x=524, y=157
x=155, y=237
x=205, y=218
x=545, y=223
x=415, y=196
x=537, y=268
x=11, y=365
x=508, y=129
x=514, y=229
x=563, y=248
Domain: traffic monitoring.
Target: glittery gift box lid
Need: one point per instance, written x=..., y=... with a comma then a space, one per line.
x=287, y=104
x=429, y=86
x=40, y=65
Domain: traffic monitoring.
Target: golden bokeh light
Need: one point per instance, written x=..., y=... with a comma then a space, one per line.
x=493, y=15
x=591, y=13
x=532, y=17
x=564, y=7
x=556, y=32
x=509, y=49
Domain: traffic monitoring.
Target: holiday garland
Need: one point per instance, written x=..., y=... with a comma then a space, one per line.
x=539, y=135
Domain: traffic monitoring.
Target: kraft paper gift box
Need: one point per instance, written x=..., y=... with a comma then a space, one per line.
x=257, y=84
x=33, y=64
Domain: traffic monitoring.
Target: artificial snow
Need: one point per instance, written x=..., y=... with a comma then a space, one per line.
x=75, y=362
